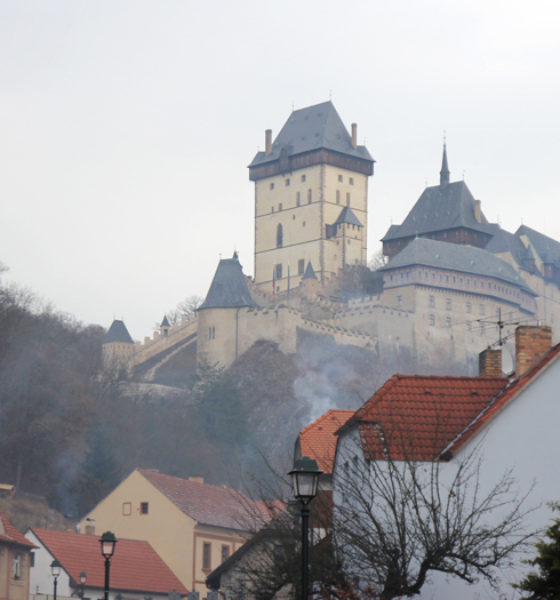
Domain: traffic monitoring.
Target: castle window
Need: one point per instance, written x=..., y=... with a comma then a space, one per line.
x=432, y=302
x=144, y=508
x=301, y=266
x=348, y=199
x=431, y=320
x=298, y=198
x=448, y=304
x=279, y=236
x=468, y=307
x=277, y=272
x=287, y=182
x=206, y=556
x=448, y=322
x=303, y=177
x=340, y=178
x=211, y=333
x=309, y=196
x=399, y=301
x=279, y=206
x=481, y=309
x=338, y=196
x=351, y=181
x=272, y=186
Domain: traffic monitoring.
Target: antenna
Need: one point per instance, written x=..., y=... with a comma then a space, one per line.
x=500, y=324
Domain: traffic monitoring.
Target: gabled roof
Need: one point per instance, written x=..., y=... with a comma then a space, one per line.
x=207, y=504
x=416, y=417
x=348, y=216
x=229, y=287
x=117, y=333
x=318, y=440
x=135, y=565
x=547, y=248
x=455, y=257
x=440, y=208
x=312, y=128
x=10, y=535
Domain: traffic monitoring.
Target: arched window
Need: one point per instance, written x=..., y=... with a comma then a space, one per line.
x=279, y=236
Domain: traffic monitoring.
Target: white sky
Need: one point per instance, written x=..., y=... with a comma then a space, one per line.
x=127, y=126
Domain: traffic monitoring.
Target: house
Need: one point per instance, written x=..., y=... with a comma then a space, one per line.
x=136, y=571
x=511, y=422
x=192, y=525
x=15, y=562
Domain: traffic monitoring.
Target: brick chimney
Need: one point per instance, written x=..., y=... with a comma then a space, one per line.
x=354, y=135
x=490, y=363
x=531, y=343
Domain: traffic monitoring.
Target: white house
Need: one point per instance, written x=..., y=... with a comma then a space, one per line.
x=510, y=422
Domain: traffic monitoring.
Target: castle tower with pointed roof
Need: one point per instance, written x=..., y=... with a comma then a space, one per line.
x=311, y=194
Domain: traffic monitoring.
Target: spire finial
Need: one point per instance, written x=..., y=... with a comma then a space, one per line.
x=444, y=173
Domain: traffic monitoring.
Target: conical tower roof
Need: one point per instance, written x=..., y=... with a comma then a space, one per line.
x=229, y=287
x=309, y=272
x=117, y=333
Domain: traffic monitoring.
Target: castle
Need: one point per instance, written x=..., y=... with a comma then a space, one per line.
x=453, y=283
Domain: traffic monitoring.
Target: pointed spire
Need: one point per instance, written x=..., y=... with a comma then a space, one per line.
x=309, y=272
x=165, y=322
x=444, y=173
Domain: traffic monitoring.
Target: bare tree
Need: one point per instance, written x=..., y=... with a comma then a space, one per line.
x=184, y=309
x=398, y=520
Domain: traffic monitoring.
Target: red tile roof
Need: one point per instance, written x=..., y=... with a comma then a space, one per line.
x=10, y=535
x=420, y=417
x=208, y=504
x=318, y=440
x=135, y=565
x=416, y=417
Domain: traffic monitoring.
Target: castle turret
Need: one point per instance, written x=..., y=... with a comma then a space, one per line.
x=444, y=173
x=303, y=178
x=117, y=347
x=218, y=315
x=165, y=326
x=309, y=282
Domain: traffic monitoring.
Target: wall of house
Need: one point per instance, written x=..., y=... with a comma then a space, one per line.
x=12, y=587
x=169, y=531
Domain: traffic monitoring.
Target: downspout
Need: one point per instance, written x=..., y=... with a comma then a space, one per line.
x=236, y=333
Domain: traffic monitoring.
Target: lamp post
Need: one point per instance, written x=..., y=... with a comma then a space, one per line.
x=305, y=479
x=108, y=542
x=83, y=579
x=56, y=569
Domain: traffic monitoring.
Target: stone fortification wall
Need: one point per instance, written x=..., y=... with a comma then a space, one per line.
x=144, y=351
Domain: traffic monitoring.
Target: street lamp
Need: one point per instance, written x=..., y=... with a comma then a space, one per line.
x=83, y=579
x=305, y=479
x=56, y=569
x=108, y=542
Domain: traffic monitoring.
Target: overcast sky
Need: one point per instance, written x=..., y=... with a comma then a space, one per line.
x=126, y=128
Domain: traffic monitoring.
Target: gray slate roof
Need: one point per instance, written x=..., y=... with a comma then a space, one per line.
x=347, y=216
x=117, y=333
x=547, y=248
x=309, y=272
x=439, y=208
x=229, y=287
x=312, y=128
x=506, y=242
x=165, y=322
x=455, y=257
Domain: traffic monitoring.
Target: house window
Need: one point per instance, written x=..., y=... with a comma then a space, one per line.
x=340, y=178
x=303, y=177
x=32, y=559
x=279, y=236
x=278, y=272
x=206, y=556
x=468, y=307
x=432, y=302
x=309, y=196
x=16, y=566
x=298, y=198
x=144, y=508
x=287, y=182
x=431, y=320
x=271, y=186
x=225, y=552
x=448, y=304
x=301, y=266
x=126, y=509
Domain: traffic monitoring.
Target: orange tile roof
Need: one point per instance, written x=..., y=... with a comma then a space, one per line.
x=9, y=534
x=135, y=565
x=416, y=417
x=208, y=504
x=318, y=440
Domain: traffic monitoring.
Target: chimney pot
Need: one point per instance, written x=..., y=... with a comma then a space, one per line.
x=490, y=363
x=354, y=135
x=531, y=343
x=268, y=141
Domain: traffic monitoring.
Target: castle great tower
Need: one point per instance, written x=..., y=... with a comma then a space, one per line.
x=311, y=193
